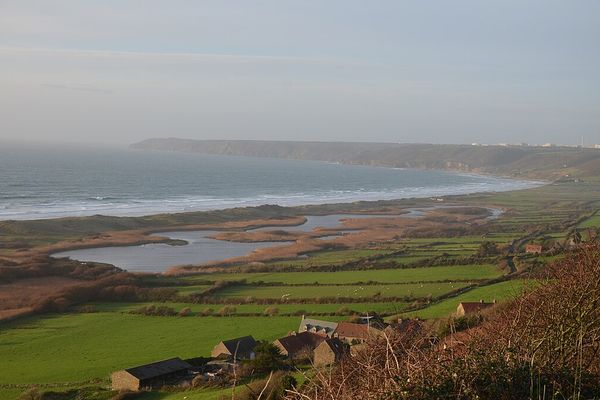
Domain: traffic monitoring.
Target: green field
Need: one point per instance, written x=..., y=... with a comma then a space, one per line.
x=332, y=257
x=187, y=290
x=80, y=347
x=452, y=273
x=593, y=222
x=413, y=290
x=499, y=291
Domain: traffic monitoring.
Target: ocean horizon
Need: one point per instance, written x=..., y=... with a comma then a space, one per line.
x=40, y=182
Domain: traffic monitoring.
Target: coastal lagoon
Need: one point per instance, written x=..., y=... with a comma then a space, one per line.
x=158, y=257
x=200, y=248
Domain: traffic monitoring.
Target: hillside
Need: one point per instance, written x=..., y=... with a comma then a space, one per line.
x=515, y=161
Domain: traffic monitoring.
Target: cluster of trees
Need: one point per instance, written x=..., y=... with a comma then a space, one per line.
x=116, y=287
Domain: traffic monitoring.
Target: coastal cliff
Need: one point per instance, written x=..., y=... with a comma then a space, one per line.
x=514, y=161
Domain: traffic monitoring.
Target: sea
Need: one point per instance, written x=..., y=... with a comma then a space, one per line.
x=51, y=181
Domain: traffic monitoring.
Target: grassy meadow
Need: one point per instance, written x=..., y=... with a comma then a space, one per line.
x=407, y=275
x=411, y=290
x=81, y=347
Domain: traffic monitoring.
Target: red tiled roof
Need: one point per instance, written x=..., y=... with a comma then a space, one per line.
x=351, y=330
x=533, y=248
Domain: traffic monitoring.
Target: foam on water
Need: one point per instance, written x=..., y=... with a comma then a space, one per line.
x=55, y=182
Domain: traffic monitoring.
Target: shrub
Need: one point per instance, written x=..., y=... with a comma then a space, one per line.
x=271, y=311
x=207, y=312
x=31, y=394
x=343, y=311
x=152, y=310
x=87, y=309
x=267, y=358
x=272, y=388
x=185, y=312
x=487, y=249
x=227, y=311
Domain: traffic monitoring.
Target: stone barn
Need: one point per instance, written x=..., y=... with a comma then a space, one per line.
x=240, y=348
x=467, y=308
x=329, y=352
x=299, y=345
x=150, y=376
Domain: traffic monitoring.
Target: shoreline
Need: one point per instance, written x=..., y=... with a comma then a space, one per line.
x=286, y=201
x=135, y=231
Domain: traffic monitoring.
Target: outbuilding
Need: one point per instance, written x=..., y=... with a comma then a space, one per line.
x=150, y=376
x=299, y=345
x=466, y=308
x=241, y=348
x=329, y=352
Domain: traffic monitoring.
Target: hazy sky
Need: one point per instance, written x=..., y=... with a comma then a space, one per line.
x=119, y=71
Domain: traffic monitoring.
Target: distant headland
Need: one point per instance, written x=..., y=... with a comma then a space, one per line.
x=519, y=161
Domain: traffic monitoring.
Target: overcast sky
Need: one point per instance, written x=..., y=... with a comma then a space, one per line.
x=458, y=71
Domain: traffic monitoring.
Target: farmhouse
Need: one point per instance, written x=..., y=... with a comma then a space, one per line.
x=466, y=308
x=240, y=348
x=323, y=328
x=150, y=376
x=354, y=333
x=299, y=345
x=533, y=248
x=329, y=352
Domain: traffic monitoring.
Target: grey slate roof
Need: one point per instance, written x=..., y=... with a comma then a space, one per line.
x=308, y=323
x=159, y=368
x=242, y=346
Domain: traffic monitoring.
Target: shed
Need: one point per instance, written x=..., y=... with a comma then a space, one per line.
x=150, y=376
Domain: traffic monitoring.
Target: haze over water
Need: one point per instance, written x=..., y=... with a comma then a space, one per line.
x=47, y=182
